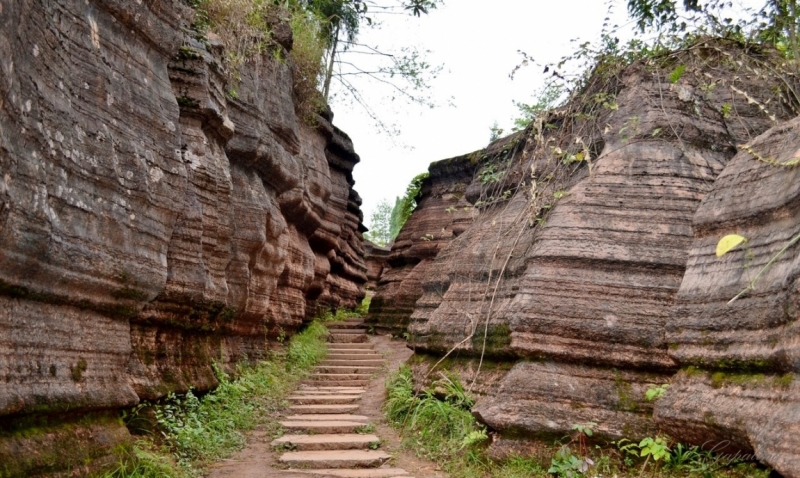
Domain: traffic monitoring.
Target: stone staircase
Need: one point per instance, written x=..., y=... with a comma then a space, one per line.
x=325, y=436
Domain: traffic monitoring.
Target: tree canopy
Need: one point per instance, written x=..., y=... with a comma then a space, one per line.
x=379, y=224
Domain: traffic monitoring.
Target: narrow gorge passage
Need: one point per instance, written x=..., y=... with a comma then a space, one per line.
x=334, y=425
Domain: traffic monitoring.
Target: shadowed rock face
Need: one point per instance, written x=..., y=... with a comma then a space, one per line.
x=376, y=258
x=150, y=224
x=599, y=283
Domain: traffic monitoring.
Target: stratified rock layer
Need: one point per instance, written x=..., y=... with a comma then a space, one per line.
x=750, y=347
x=149, y=223
x=600, y=279
x=377, y=260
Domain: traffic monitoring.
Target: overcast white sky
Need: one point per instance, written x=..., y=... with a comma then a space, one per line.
x=477, y=42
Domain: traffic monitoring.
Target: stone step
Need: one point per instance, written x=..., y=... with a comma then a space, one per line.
x=356, y=362
x=346, y=369
x=347, y=338
x=349, y=383
x=343, y=441
x=315, y=409
x=326, y=393
x=351, y=346
x=354, y=355
x=335, y=459
x=363, y=473
x=323, y=399
x=332, y=377
x=346, y=330
x=347, y=324
x=328, y=417
x=322, y=426
x=326, y=389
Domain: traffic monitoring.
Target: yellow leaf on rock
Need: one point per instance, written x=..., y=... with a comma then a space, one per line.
x=729, y=242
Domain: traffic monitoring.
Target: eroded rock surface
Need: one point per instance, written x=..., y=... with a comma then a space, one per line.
x=376, y=257
x=599, y=279
x=742, y=357
x=151, y=224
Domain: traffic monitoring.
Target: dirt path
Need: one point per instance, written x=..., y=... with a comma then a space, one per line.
x=259, y=460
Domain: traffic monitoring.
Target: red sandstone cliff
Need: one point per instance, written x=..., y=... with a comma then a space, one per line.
x=596, y=283
x=149, y=223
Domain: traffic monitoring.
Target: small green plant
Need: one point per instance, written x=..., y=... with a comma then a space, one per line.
x=656, y=448
x=566, y=464
x=654, y=392
x=474, y=437
x=365, y=429
x=490, y=174
x=676, y=74
x=495, y=132
x=584, y=431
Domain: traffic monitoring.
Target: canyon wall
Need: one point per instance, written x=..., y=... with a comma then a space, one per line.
x=152, y=220
x=587, y=264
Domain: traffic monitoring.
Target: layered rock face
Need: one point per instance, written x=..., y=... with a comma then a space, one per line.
x=743, y=357
x=376, y=257
x=149, y=223
x=442, y=213
x=599, y=279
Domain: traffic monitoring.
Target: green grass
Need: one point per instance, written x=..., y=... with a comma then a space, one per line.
x=193, y=432
x=437, y=424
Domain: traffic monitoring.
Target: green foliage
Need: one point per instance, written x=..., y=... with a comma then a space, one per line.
x=308, y=48
x=659, y=13
x=655, y=448
x=474, y=437
x=363, y=308
x=490, y=174
x=545, y=99
x=567, y=464
x=380, y=224
x=676, y=74
x=585, y=428
x=405, y=206
x=144, y=461
x=495, y=132
x=654, y=392
x=365, y=429
x=775, y=23
x=245, y=29
x=308, y=347
x=436, y=429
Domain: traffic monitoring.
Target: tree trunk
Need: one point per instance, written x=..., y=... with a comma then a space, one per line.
x=326, y=89
x=792, y=26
